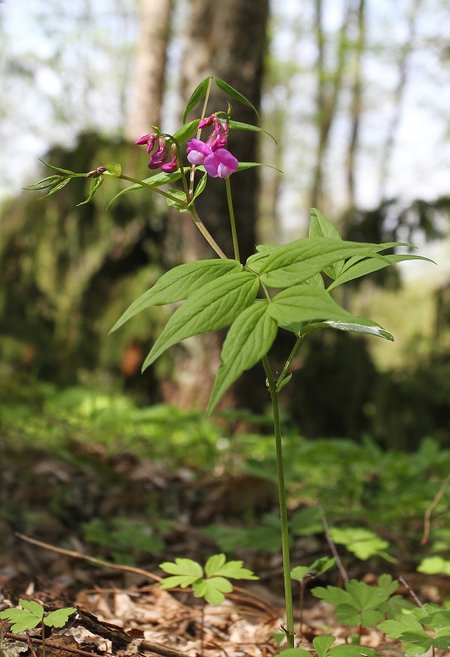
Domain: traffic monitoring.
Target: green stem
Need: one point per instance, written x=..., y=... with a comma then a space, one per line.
x=237, y=255
x=152, y=187
x=205, y=232
x=289, y=631
x=289, y=360
x=199, y=132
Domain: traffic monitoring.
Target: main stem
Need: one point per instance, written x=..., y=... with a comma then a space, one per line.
x=237, y=255
x=285, y=549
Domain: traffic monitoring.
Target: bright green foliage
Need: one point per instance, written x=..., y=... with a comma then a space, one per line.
x=30, y=614
x=210, y=582
x=420, y=629
x=434, y=566
x=249, y=339
x=177, y=284
x=359, y=603
x=363, y=543
x=213, y=306
x=323, y=648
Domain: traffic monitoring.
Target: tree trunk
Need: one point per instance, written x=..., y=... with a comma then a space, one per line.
x=227, y=39
x=150, y=67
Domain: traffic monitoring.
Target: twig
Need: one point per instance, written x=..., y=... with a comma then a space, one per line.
x=431, y=508
x=84, y=557
x=411, y=592
x=332, y=546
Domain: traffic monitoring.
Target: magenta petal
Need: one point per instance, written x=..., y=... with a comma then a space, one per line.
x=198, y=145
x=211, y=165
x=142, y=140
x=221, y=163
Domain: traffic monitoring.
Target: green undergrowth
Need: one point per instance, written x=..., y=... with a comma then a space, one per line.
x=375, y=501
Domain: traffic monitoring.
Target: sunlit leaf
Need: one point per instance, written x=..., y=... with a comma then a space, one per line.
x=196, y=96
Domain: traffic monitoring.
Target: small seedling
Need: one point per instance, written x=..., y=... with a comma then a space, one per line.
x=29, y=614
x=304, y=574
x=420, y=630
x=361, y=542
x=211, y=582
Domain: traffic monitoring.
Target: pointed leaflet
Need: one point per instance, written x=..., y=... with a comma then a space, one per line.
x=212, y=589
x=249, y=339
x=323, y=643
x=356, y=325
x=363, y=266
x=238, y=125
x=217, y=565
x=185, y=572
x=156, y=180
x=214, y=306
x=177, y=284
x=196, y=96
x=233, y=93
x=304, y=303
x=59, y=617
x=319, y=226
x=186, y=131
x=296, y=262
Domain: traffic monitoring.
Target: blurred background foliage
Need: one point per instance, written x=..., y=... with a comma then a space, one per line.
x=355, y=94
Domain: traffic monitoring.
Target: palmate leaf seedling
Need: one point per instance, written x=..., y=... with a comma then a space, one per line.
x=211, y=582
x=304, y=574
x=420, y=629
x=283, y=288
x=323, y=647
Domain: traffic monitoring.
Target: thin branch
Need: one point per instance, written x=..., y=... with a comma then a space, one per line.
x=98, y=562
x=332, y=546
x=429, y=511
x=411, y=592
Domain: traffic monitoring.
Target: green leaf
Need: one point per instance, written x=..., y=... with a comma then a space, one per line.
x=178, y=283
x=323, y=643
x=45, y=183
x=214, y=306
x=233, y=93
x=299, y=573
x=28, y=616
x=196, y=96
x=304, y=303
x=186, y=131
x=243, y=166
x=218, y=566
x=114, y=168
x=212, y=589
x=404, y=623
x=57, y=187
x=185, y=572
x=249, y=339
x=238, y=125
x=200, y=186
x=93, y=187
x=319, y=226
x=59, y=617
x=58, y=169
x=301, y=259
x=351, y=650
x=365, y=266
x=316, y=569
x=357, y=325
x=434, y=566
x=363, y=543
x=294, y=652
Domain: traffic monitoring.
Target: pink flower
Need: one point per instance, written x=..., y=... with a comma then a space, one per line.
x=172, y=164
x=197, y=150
x=159, y=156
x=220, y=163
x=147, y=139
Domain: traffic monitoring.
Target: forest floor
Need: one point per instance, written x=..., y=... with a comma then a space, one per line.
x=59, y=502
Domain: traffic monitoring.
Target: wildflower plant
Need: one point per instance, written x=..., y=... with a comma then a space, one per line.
x=278, y=288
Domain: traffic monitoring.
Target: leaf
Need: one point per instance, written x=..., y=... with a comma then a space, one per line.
x=304, y=303
x=323, y=643
x=114, y=168
x=357, y=325
x=28, y=616
x=301, y=259
x=59, y=169
x=196, y=96
x=363, y=543
x=317, y=568
x=299, y=573
x=365, y=266
x=59, y=617
x=294, y=652
x=200, y=186
x=44, y=183
x=178, y=283
x=351, y=650
x=233, y=93
x=218, y=566
x=186, y=131
x=395, y=628
x=214, y=306
x=238, y=125
x=319, y=226
x=93, y=187
x=212, y=589
x=434, y=566
x=185, y=572
x=243, y=166
x=57, y=187
x=249, y=339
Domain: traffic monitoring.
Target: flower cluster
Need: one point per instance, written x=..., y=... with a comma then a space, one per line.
x=217, y=160
x=161, y=156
